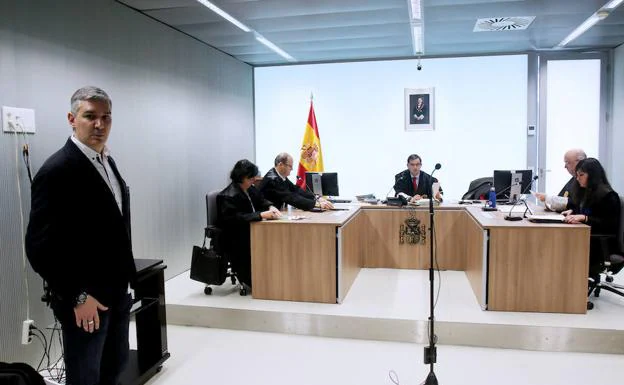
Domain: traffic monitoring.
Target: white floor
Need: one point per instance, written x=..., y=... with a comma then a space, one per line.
x=206, y=356
x=213, y=356
x=403, y=294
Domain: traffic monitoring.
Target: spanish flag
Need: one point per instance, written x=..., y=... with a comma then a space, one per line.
x=311, y=159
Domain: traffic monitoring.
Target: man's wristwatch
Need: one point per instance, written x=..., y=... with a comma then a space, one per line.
x=80, y=299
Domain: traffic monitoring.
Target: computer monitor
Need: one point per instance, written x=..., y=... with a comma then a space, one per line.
x=509, y=184
x=322, y=183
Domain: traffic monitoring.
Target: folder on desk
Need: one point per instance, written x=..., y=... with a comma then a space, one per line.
x=546, y=218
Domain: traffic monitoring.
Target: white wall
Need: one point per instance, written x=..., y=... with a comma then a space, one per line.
x=616, y=176
x=481, y=113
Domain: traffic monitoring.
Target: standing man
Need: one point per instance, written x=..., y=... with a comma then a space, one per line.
x=414, y=184
x=78, y=240
x=277, y=188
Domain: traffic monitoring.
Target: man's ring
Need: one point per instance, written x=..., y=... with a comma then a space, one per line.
x=90, y=322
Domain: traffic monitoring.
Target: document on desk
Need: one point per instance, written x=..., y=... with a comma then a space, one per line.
x=546, y=218
x=423, y=202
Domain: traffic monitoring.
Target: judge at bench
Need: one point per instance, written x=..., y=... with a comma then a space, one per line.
x=277, y=188
x=414, y=184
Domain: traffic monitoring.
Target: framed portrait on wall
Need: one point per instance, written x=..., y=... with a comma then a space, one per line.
x=419, y=109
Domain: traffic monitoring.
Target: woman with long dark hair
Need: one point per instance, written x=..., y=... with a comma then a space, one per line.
x=239, y=204
x=597, y=205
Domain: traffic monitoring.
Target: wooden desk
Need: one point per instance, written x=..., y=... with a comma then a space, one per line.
x=298, y=260
x=529, y=266
x=511, y=266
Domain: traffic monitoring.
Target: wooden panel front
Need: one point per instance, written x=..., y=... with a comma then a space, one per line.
x=353, y=237
x=294, y=262
x=474, y=256
x=384, y=250
x=538, y=269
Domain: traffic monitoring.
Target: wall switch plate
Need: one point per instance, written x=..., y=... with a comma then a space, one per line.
x=18, y=120
x=26, y=339
x=531, y=131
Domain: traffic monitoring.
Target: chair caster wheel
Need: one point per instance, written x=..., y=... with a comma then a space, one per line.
x=243, y=291
x=590, y=305
x=597, y=292
x=207, y=290
x=609, y=278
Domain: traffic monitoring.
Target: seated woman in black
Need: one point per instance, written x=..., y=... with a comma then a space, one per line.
x=239, y=204
x=597, y=205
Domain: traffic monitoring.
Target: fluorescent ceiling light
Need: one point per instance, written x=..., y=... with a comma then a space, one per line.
x=224, y=15
x=417, y=39
x=613, y=4
x=581, y=29
x=274, y=48
x=416, y=10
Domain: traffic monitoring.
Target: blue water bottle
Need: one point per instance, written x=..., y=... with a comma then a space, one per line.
x=492, y=197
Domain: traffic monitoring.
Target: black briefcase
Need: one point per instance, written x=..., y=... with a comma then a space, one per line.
x=207, y=266
x=19, y=374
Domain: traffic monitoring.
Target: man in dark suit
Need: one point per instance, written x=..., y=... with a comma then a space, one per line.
x=277, y=188
x=420, y=109
x=414, y=184
x=78, y=240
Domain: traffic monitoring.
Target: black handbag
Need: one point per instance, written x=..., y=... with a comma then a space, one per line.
x=207, y=266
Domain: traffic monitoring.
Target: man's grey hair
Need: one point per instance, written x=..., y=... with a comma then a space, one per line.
x=89, y=93
x=282, y=157
x=580, y=154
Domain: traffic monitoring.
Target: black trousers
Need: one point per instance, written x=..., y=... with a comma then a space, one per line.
x=96, y=358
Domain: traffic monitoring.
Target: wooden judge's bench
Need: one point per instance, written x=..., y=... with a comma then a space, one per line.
x=511, y=266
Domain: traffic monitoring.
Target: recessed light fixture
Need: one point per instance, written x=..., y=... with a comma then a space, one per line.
x=245, y=28
x=224, y=15
x=599, y=15
x=417, y=39
x=613, y=4
x=581, y=29
x=417, y=25
x=274, y=48
x=415, y=9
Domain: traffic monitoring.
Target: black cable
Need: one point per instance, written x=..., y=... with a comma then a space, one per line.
x=45, y=347
x=43, y=356
x=26, y=157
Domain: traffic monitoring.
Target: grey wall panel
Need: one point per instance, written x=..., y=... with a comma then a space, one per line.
x=182, y=115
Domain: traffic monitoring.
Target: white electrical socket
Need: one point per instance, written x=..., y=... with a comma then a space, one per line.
x=26, y=325
x=18, y=120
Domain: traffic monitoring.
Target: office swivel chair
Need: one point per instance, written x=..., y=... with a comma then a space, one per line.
x=478, y=188
x=613, y=263
x=213, y=232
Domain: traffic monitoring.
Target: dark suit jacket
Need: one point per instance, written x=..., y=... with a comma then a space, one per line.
x=234, y=216
x=77, y=239
x=603, y=215
x=281, y=191
x=568, y=189
x=403, y=184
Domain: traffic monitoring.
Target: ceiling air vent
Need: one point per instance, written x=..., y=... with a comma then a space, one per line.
x=514, y=23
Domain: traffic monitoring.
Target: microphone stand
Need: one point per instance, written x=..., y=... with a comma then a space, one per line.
x=430, y=351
